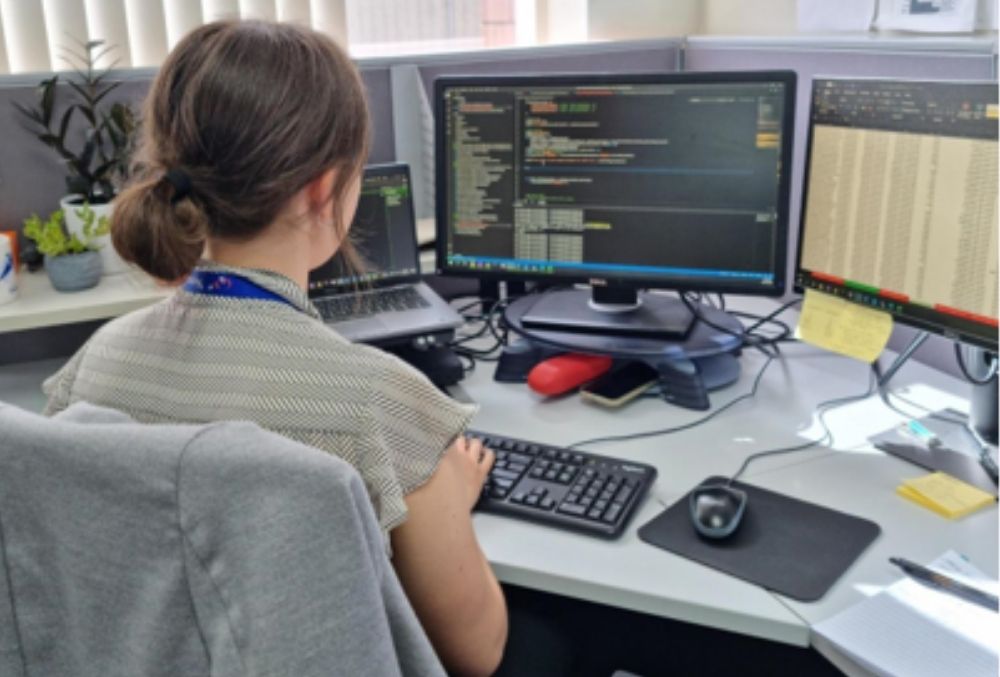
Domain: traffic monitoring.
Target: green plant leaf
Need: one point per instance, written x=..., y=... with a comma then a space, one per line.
x=64, y=124
x=50, y=236
x=48, y=95
x=30, y=113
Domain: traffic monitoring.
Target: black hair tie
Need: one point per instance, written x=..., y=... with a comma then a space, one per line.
x=181, y=182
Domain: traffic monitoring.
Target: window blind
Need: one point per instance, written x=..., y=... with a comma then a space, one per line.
x=34, y=34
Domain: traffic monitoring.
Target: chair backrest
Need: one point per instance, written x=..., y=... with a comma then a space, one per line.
x=132, y=549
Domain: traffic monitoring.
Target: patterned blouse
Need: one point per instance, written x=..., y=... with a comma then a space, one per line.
x=201, y=358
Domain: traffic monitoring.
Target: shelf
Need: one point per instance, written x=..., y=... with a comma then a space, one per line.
x=39, y=305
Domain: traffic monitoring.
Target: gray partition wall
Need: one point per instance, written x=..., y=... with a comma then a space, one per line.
x=926, y=58
x=413, y=88
x=32, y=177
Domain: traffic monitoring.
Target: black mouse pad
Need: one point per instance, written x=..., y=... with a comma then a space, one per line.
x=794, y=548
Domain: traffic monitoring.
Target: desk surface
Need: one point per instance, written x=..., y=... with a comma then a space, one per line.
x=628, y=573
x=851, y=477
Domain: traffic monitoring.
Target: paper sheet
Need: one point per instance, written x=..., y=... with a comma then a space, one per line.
x=824, y=16
x=913, y=630
x=945, y=495
x=844, y=327
x=927, y=16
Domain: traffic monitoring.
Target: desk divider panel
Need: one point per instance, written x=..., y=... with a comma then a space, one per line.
x=31, y=175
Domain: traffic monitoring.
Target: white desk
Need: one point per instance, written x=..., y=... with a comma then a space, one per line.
x=634, y=575
x=39, y=305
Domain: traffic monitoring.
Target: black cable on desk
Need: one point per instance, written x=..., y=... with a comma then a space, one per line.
x=488, y=320
x=821, y=410
x=685, y=426
x=749, y=337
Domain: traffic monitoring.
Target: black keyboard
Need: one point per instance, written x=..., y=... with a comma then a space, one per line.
x=363, y=304
x=566, y=489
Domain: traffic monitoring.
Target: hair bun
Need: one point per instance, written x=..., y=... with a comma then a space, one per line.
x=153, y=230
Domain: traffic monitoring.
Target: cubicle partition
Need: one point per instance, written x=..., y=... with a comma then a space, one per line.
x=32, y=176
x=413, y=88
x=401, y=106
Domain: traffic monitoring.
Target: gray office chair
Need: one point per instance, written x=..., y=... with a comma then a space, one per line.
x=130, y=549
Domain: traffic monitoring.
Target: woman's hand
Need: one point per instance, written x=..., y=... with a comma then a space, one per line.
x=471, y=462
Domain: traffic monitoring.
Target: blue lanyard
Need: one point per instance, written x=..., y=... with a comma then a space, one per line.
x=228, y=285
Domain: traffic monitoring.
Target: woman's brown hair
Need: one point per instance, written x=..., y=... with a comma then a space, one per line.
x=241, y=116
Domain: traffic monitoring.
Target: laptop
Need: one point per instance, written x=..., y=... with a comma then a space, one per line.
x=386, y=299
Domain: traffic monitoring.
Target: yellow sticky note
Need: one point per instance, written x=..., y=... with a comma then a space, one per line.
x=844, y=327
x=945, y=495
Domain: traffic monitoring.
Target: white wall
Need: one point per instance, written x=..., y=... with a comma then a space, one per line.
x=749, y=17
x=616, y=20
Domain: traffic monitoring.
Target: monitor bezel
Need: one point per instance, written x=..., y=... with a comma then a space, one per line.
x=786, y=77
x=951, y=328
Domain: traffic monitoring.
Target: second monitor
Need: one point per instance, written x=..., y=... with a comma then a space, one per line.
x=629, y=182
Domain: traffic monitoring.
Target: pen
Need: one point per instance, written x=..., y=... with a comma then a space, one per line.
x=946, y=583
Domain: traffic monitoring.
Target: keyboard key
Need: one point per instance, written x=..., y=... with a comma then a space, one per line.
x=504, y=473
x=612, y=514
x=572, y=509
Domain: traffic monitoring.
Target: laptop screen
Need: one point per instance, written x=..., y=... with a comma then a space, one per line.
x=383, y=231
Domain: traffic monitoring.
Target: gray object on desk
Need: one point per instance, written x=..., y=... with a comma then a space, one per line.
x=958, y=465
x=794, y=548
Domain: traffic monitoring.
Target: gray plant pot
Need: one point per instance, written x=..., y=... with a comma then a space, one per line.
x=74, y=272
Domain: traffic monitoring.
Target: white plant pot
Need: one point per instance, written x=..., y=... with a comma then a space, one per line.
x=112, y=263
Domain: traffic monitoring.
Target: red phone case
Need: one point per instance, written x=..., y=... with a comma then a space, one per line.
x=561, y=374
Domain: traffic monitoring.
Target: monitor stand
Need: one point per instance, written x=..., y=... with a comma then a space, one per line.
x=983, y=409
x=611, y=311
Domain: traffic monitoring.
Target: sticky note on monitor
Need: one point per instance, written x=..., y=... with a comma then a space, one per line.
x=945, y=495
x=844, y=327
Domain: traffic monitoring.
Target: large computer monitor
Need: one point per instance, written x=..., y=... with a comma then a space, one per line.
x=666, y=181
x=900, y=202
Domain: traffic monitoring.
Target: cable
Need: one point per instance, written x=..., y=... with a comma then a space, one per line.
x=685, y=426
x=747, y=337
x=821, y=409
x=990, y=375
x=500, y=337
x=886, y=395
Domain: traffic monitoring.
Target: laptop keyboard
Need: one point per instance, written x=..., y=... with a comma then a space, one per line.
x=364, y=304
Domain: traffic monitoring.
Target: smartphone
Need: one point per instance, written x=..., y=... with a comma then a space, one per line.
x=620, y=385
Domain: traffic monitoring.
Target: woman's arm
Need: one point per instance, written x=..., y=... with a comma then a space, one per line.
x=444, y=572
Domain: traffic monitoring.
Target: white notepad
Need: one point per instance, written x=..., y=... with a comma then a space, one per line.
x=913, y=630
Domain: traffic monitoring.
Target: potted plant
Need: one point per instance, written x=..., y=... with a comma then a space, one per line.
x=72, y=261
x=93, y=137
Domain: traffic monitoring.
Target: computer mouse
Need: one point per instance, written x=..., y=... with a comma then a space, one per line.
x=717, y=509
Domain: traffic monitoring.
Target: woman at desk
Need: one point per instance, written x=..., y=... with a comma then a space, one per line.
x=255, y=137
